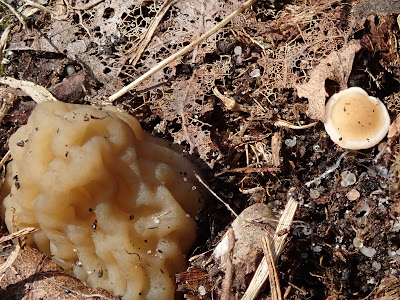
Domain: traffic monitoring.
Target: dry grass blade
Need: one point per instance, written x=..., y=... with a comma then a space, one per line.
x=227, y=281
x=10, y=259
x=38, y=93
x=181, y=52
x=150, y=31
x=7, y=101
x=4, y=159
x=4, y=39
x=273, y=278
x=18, y=234
x=16, y=13
x=283, y=123
x=281, y=233
x=249, y=170
x=215, y=195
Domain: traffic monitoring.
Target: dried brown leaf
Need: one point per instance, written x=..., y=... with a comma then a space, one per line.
x=36, y=92
x=394, y=129
x=337, y=67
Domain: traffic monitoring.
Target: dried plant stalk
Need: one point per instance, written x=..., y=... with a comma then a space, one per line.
x=281, y=233
x=38, y=93
x=18, y=234
x=181, y=52
x=283, y=123
x=273, y=278
x=10, y=259
x=150, y=31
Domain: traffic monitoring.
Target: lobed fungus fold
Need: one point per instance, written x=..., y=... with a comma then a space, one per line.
x=114, y=206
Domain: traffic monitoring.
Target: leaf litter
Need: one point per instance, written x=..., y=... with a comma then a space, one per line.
x=276, y=63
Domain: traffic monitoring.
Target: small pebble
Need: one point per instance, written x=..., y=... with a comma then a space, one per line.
x=317, y=248
x=255, y=73
x=353, y=194
x=377, y=266
x=363, y=208
x=202, y=290
x=237, y=50
x=314, y=193
x=290, y=142
x=70, y=69
x=348, y=179
x=367, y=251
x=357, y=242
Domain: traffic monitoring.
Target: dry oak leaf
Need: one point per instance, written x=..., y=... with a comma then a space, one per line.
x=337, y=67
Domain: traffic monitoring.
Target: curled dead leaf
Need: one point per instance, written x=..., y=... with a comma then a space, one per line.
x=337, y=66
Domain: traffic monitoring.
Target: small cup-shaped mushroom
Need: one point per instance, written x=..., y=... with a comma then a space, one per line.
x=355, y=120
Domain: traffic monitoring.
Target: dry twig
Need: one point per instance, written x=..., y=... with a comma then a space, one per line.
x=215, y=195
x=283, y=123
x=227, y=281
x=18, y=234
x=273, y=278
x=150, y=31
x=181, y=52
x=281, y=233
x=248, y=170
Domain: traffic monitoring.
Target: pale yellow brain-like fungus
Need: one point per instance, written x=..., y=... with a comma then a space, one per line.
x=113, y=205
x=355, y=120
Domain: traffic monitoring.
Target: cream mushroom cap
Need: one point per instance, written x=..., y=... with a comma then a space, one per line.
x=355, y=120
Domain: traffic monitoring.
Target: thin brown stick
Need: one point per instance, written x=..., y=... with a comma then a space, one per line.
x=248, y=170
x=273, y=278
x=227, y=281
x=19, y=233
x=181, y=52
x=150, y=31
x=281, y=233
x=283, y=123
x=215, y=195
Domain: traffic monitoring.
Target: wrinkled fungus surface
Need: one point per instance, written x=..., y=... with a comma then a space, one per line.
x=113, y=205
